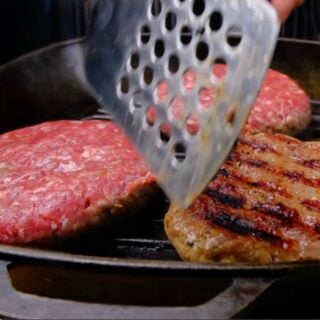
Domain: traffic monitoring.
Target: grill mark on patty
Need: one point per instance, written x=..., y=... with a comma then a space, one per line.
x=242, y=227
x=280, y=211
x=258, y=145
x=223, y=172
x=317, y=228
x=236, y=156
x=312, y=204
x=268, y=186
x=287, y=216
x=228, y=196
x=222, y=194
x=297, y=176
x=312, y=164
x=264, y=147
x=293, y=175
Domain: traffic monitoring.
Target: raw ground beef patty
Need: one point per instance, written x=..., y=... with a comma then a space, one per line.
x=61, y=177
x=281, y=106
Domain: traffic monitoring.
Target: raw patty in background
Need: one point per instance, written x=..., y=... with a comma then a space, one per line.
x=281, y=106
x=61, y=177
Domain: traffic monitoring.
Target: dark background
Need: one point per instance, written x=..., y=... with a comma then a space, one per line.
x=26, y=25
x=304, y=23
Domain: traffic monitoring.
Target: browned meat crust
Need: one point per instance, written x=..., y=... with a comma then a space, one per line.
x=263, y=206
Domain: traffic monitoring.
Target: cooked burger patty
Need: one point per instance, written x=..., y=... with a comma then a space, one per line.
x=61, y=177
x=263, y=206
x=281, y=106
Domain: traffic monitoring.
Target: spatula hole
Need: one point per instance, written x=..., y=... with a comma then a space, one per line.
x=206, y=98
x=156, y=7
x=162, y=91
x=216, y=21
x=231, y=114
x=134, y=61
x=202, y=51
x=137, y=100
x=185, y=35
x=220, y=68
x=145, y=34
x=179, y=154
x=148, y=75
x=193, y=124
x=177, y=107
x=234, y=36
x=159, y=48
x=171, y=21
x=165, y=131
x=173, y=64
x=124, y=85
x=198, y=7
x=151, y=116
x=189, y=80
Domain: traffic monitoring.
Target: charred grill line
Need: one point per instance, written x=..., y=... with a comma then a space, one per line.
x=223, y=172
x=242, y=226
x=312, y=164
x=282, y=213
x=312, y=205
x=285, y=215
x=267, y=186
x=256, y=145
x=317, y=227
x=236, y=156
x=222, y=195
x=263, y=147
x=270, y=186
x=298, y=176
x=226, y=198
x=295, y=176
x=279, y=210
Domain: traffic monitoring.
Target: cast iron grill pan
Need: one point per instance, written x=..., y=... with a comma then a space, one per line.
x=136, y=271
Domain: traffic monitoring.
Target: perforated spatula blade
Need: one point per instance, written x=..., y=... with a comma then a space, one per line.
x=141, y=54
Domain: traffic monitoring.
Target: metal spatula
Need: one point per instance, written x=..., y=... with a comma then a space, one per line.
x=140, y=48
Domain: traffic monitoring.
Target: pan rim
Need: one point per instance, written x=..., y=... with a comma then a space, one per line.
x=15, y=253
x=51, y=47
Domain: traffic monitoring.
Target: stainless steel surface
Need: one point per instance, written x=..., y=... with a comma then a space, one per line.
x=129, y=33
